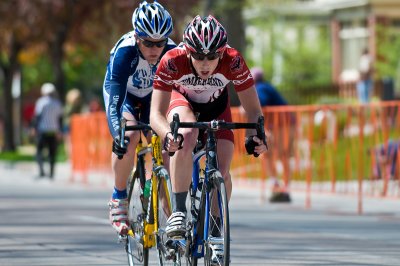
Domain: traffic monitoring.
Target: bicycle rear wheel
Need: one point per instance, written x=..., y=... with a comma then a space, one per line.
x=166, y=255
x=217, y=242
x=137, y=254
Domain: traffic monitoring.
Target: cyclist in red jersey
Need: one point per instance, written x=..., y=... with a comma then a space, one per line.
x=192, y=79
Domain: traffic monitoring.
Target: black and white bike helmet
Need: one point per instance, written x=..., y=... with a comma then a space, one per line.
x=152, y=20
x=205, y=36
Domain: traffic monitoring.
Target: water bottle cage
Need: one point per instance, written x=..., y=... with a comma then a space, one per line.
x=195, y=200
x=144, y=203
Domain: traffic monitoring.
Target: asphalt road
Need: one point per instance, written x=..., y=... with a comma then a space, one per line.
x=58, y=223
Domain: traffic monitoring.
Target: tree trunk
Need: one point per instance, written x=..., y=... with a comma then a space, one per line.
x=229, y=14
x=9, y=144
x=8, y=70
x=232, y=19
x=57, y=48
x=57, y=56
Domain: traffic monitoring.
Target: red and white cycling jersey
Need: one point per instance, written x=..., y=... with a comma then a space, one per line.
x=176, y=73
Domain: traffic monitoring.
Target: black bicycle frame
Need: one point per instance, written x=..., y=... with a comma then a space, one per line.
x=199, y=231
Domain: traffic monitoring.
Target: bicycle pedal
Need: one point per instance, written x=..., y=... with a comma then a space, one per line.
x=177, y=237
x=177, y=234
x=122, y=238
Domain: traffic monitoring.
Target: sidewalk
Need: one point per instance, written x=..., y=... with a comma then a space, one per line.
x=28, y=171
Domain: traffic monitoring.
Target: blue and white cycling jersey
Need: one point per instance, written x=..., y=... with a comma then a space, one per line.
x=128, y=81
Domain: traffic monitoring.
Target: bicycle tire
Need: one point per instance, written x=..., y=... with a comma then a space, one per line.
x=193, y=260
x=136, y=253
x=223, y=229
x=164, y=210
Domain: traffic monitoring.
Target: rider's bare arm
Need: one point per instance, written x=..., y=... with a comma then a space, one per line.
x=158, y=112
x=158, y=117
x=249, y=100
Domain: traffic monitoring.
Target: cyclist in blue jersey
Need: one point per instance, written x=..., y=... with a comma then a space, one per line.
x=127, y=90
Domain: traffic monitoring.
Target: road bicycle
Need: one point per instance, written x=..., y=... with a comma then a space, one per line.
x=208, y=228
x=149, y=204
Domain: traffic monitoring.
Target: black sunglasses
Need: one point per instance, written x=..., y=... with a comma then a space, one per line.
x=150, y=44
x=201, y=57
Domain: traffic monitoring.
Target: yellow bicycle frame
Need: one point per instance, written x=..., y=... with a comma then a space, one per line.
x=150, y=229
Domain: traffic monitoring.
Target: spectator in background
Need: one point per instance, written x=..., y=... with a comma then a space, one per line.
x=364, y=85
x=73, y=105
x=269, y=96
x=386, y=159
x=47, y=126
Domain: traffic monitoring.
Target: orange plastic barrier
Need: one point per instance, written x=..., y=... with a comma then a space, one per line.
x=91, y=145
x=349, y=149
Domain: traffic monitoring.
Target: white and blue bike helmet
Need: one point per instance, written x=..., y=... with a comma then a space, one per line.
x=152, y=20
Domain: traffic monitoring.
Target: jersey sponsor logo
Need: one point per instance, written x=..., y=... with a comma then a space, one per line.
x=199, y=90
x=197, y=81
x=240, y=82
x=244, y=74
x=164, y=74
x=237, y=64
x=171, y=67
x=113, y=113
x=142, y=79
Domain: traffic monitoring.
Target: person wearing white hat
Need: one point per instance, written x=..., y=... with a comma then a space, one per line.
x=47, y=89
x=47, y=126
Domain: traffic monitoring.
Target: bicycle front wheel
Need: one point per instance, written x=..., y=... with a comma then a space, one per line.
x=217, y=242
x=167, y=255
x=137, y=254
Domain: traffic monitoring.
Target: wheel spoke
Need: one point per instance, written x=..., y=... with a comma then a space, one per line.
x=137, y=254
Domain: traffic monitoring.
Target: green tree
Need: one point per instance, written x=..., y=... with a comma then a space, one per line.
x=293, y=50
x=388, y=53
x=17, y=25
x=230, y=15
x=41, y=37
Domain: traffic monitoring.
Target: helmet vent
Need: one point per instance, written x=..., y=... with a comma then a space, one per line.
x=163, y=27
x=152, y=20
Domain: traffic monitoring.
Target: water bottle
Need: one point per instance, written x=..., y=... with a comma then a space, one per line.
x=146, y=194
x=147, y=188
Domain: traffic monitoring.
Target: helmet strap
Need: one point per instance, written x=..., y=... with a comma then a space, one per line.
x=192, y=66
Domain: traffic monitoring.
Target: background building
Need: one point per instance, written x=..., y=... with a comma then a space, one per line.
x=336, y=31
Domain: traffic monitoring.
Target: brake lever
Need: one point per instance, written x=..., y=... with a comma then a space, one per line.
x=261, y=130
x=174, y=125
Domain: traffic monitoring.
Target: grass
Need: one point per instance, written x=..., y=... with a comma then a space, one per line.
x=26, y=153
x=15, y=157
x=346, y=160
